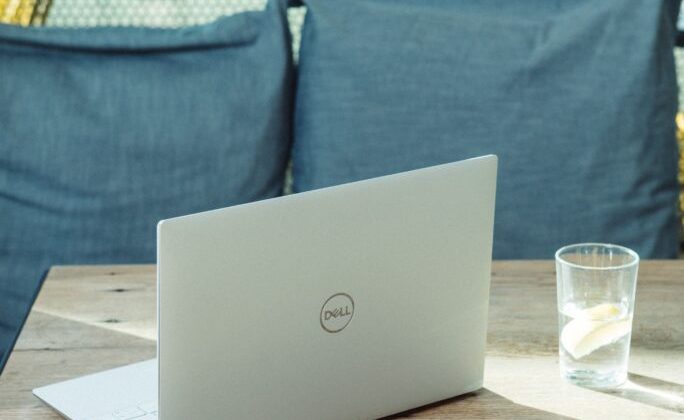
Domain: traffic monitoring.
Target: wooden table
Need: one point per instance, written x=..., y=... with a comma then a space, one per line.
x=92, y=318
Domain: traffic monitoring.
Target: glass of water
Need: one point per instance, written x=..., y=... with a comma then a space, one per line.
x=596, y=284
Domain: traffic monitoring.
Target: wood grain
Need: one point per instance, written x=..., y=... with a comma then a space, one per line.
x=121, y=298
x=92, y=318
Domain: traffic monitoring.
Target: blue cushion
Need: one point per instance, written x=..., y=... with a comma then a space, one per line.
x=105, y=131
x=576, y=98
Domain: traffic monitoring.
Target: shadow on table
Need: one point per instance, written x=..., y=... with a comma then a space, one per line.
x=651, y=391
x=481, y=404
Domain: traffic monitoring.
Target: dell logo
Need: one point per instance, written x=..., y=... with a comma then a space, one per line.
x=337, y=312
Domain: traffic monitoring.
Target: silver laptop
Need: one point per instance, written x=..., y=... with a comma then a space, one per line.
x=350, y=302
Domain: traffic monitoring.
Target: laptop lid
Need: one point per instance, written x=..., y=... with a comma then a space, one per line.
x=355, y=301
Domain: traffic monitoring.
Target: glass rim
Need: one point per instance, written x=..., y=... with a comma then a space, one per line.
x=624, y=249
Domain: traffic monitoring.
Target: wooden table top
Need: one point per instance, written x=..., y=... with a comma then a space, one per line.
x=91, y=318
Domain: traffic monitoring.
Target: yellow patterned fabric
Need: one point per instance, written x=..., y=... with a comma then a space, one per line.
x=680, y=140
x=23, y=12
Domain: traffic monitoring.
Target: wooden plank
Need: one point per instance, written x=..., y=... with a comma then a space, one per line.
x=119, y=298
x=53, y=349
x=71, y=332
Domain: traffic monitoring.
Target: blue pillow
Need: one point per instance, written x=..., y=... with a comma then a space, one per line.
x=576, y=98
x=105, y=131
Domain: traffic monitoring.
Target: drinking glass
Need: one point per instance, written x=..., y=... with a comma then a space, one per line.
x=596, y=284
